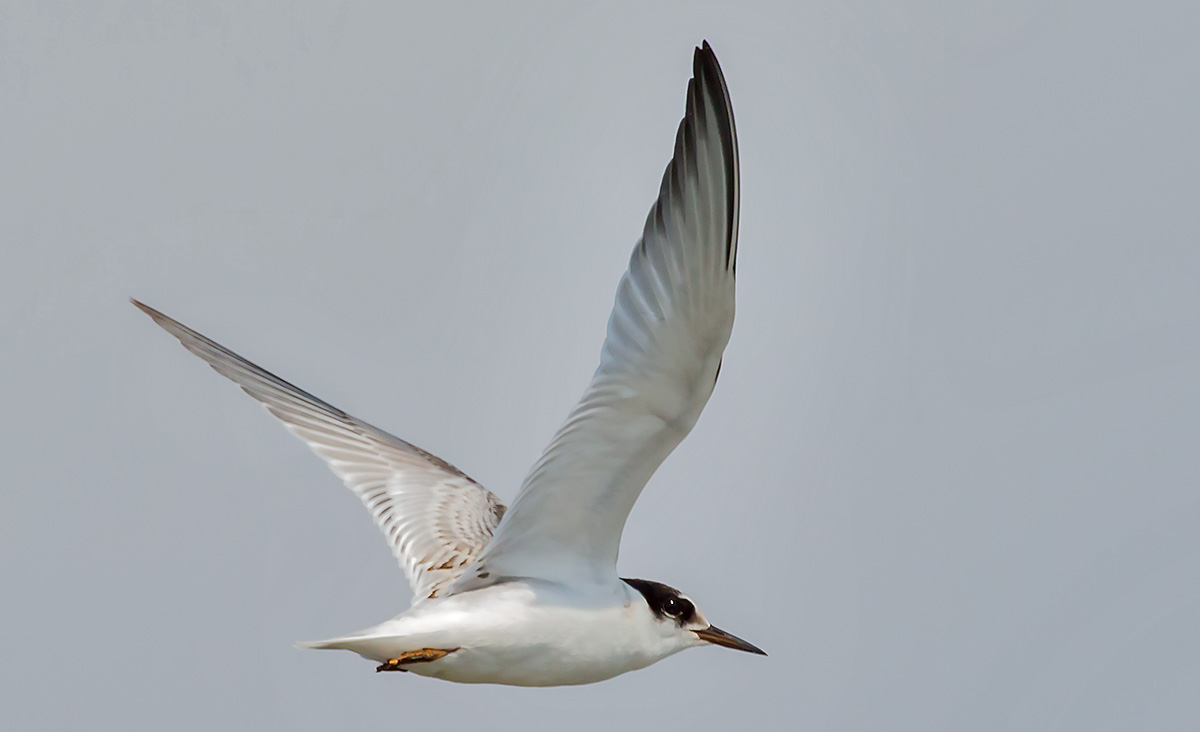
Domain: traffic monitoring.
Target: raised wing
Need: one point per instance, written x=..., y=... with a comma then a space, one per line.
x=435, y=518
x=669, y=326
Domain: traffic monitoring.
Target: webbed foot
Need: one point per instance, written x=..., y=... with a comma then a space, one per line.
x=424, y=655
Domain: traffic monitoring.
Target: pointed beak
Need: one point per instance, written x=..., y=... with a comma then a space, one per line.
x=716, y=636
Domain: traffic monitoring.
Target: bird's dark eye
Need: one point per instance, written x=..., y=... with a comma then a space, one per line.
x=664, y=602
x=677, y=607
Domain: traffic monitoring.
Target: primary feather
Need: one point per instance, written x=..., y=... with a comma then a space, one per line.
x=670, y=323
x=435, y=518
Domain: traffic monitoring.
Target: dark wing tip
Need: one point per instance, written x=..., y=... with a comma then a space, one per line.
x=706, y=67
x=173, y=326
x=710, y=82
x=154, y=314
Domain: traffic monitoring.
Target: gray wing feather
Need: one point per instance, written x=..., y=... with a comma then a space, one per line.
x=671, y=320
x=435, y=518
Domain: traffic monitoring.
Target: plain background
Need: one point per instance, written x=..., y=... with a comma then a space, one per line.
x=948, y=479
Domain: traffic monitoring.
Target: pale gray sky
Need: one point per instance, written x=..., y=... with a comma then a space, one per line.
x=949, y=479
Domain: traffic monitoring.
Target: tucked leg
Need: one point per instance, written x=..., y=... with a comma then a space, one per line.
x=425, y=655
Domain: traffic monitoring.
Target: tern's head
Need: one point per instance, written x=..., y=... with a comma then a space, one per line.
x=677, y=617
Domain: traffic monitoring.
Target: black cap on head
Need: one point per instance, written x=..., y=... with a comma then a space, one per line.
x=664, y=601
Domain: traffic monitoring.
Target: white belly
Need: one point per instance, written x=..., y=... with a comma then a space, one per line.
x=520, y=635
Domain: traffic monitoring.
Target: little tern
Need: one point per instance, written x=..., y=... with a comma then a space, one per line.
x=529, y=595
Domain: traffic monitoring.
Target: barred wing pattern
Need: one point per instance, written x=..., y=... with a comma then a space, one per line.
x=435, y=518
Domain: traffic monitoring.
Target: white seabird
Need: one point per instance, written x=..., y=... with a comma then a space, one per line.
x=529, y=595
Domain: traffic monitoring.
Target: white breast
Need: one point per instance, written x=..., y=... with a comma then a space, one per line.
x=525, y=634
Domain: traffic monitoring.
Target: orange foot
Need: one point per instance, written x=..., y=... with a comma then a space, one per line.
x=425, y=655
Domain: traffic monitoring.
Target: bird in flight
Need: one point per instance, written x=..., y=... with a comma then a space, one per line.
x=529, y=595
